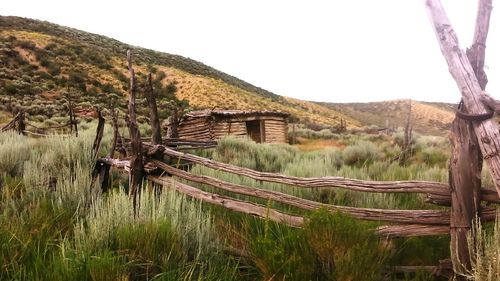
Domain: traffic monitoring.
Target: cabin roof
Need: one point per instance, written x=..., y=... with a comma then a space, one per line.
x=236, y=113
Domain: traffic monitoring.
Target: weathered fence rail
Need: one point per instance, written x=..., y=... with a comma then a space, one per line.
x=429, y=218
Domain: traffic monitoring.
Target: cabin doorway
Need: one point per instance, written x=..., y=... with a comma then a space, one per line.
x=255, y=130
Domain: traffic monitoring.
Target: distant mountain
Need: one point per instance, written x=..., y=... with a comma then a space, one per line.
x=40, y=61
x=427, y=117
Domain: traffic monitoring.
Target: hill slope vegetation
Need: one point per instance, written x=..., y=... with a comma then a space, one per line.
x=41, y=61
x=427, y=118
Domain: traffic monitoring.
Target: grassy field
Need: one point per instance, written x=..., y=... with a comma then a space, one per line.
x=55, y=225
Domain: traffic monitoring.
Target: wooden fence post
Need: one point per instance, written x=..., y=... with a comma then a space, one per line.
x=98, y=135
x=21, y=124
x=136, y=161
x=153, y=112
x=100, y=167
x=466, y=162
x=465, y=186
x=465, y=170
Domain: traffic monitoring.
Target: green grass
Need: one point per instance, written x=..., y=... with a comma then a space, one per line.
x=54, y=225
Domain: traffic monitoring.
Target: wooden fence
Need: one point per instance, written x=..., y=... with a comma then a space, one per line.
x=155, y=159
x=21, y=125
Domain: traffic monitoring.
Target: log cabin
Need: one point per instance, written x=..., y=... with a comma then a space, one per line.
x=260, y=126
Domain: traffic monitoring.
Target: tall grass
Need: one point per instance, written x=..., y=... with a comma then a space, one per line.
x=368, y=158
x=55, y=225
x=484, y=249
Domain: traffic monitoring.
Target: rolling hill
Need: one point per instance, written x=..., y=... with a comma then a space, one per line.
x=427, y=118
x=40, y=62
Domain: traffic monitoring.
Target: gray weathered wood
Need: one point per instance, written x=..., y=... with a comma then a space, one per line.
x=466, y=162
x=352, y=184
x=433, y=217
x=229, y=203
x=463, y=73
x=476, y=53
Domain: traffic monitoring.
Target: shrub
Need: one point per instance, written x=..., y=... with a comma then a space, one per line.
x=261, y=157
x=14, y=150
x=362, y=153
x=433, y=156
x=330, y=247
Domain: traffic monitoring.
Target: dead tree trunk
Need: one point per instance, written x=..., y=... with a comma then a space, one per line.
x=463, y=73
x=136, y=161
x=153, y=112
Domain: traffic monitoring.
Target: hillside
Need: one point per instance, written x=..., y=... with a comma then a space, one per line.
x=40, y=62
x=427, y=118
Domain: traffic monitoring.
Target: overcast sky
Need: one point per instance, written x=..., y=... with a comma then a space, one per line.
x=336, y=51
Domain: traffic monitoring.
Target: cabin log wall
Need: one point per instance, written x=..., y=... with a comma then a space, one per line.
x=273, y=129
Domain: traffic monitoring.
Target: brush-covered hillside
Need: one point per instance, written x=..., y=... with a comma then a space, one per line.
x=41, y=62
x=426, y=117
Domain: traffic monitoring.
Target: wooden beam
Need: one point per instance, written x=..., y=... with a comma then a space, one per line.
x=412, y=230
x=431, y=217
x=476, y=53
x=463, y=73
x=353, y=184
x=229, y=203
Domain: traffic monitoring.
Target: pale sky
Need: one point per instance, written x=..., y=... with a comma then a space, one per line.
x=335, y=51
